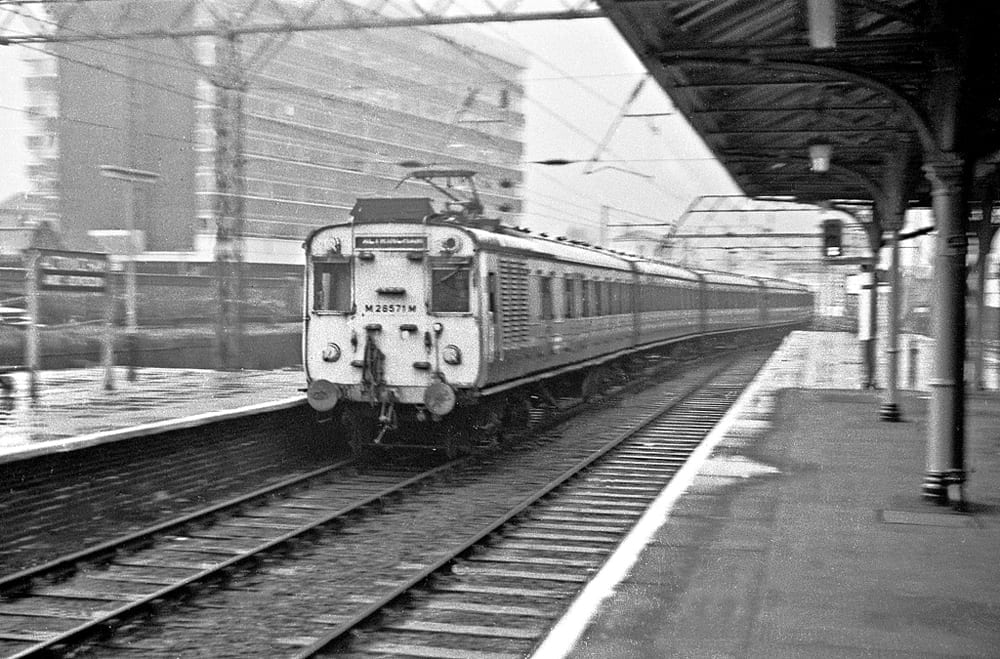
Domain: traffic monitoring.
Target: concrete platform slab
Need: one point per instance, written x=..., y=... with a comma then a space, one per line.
x=72, y=408
x=826, y=550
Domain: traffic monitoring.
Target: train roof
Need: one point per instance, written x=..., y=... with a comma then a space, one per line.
x=772, y=282
x=715, y=277
x=508, y=238
x=579, y=252
x=492, y=235
x=662, y=268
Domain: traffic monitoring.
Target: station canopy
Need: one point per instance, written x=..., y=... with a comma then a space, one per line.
x=810, y=99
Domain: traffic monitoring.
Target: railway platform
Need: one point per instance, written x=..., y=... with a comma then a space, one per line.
x=72, y=409
x=800, y=533
x=803, y=533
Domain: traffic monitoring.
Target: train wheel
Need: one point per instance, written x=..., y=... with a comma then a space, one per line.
x=455, y=441
x=361, y=430
x=618, y=376
x=594, y=383
x=487, y=427
x=516, y=417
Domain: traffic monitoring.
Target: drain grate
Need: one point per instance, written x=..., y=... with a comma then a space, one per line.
x=928, y=519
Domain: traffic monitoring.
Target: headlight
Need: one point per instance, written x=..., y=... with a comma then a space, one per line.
x=331, y=353
x=451, y=244
x=451, y=355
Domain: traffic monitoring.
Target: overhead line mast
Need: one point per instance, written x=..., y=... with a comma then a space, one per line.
x=270, y=27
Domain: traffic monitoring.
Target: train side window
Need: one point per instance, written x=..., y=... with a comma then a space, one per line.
x=569, y=293
x=450, y=288
x=545, y=290
x=491, y=285
x=585, y=308
x=332, y=286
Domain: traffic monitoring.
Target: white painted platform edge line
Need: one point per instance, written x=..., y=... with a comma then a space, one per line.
x=107, y=436
x=567, y=632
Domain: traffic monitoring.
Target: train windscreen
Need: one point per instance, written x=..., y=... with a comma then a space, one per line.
x=331, y=286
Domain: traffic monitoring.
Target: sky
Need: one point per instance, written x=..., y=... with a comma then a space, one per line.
x=12, y=177
x=580, y=75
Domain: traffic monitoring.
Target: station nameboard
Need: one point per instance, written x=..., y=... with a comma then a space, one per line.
x=80, y=272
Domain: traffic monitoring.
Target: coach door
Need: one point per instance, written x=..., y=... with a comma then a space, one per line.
x=390, y=294
x=494, y=351
x=547, y=311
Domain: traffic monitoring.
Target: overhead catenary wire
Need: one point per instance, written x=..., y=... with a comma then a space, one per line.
x=187, y=64
x=85, y=122
x=543, y=107
x=601, y=145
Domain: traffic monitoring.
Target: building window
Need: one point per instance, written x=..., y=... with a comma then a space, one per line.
x=284, y=191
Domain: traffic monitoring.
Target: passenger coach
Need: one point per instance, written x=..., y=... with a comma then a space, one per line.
x=415, y=315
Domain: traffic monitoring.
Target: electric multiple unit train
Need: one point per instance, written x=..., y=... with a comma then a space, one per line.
x=415, y=315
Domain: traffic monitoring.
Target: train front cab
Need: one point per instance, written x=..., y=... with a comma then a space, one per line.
x=390, y=316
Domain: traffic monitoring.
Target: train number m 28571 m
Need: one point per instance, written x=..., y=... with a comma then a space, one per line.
x=390, y=308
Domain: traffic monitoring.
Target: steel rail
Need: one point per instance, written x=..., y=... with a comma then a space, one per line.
x=118, y=616
x=100, y=624
x=12, y=582
x=340, y=632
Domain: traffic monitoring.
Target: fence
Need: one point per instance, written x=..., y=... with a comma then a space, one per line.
x=166, y=299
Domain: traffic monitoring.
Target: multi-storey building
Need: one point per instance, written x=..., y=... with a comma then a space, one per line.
x=326, y=117
x=42, y=138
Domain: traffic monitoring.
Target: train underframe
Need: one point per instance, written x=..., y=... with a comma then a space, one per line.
x=483, y=423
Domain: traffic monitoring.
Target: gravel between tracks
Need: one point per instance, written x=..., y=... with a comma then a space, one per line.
x=273, y=609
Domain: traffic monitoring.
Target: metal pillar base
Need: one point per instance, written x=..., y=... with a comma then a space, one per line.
x=889, y=412
x=935, y=489
x=955, y=481
x=945, y=488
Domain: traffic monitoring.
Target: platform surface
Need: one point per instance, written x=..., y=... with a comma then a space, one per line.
x=73, y=408
x=803, y=533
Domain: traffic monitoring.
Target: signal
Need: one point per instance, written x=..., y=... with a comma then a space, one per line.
x=833, y=231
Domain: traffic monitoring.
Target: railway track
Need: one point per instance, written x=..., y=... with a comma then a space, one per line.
x=339, y=556
x=63, y=501
x=496, y=597
x=43, y=611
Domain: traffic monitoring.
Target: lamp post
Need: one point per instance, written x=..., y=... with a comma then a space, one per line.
x=135, y=177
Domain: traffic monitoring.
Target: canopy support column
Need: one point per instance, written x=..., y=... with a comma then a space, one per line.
x=945, y=476
x=889, y=409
